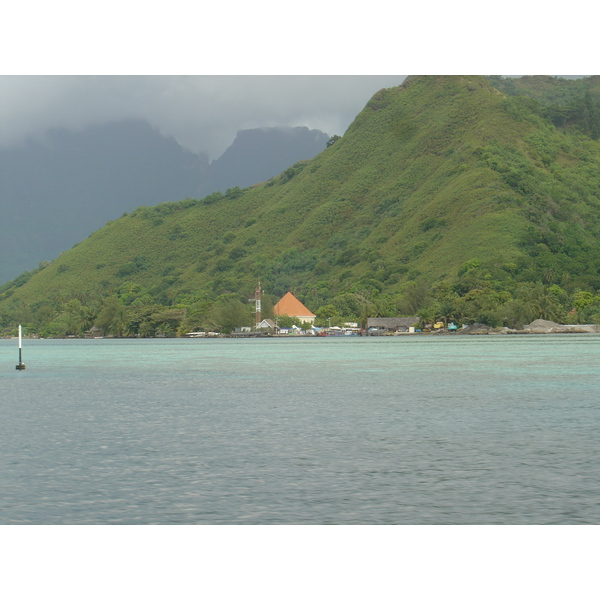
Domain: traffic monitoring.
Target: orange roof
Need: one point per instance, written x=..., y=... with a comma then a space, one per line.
x=292, y=307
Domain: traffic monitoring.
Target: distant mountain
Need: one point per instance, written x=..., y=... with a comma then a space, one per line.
x=57, y=190
x=259, y=154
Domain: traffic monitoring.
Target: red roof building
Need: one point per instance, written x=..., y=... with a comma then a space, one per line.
x=292, y=307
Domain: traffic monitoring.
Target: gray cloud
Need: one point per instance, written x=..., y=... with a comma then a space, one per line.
x=203, y=113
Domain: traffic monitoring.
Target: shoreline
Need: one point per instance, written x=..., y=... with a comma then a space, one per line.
x=443, y=334
x=537, y=327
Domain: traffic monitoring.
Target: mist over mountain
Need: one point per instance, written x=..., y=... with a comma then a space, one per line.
x=56, y=190
x=259, y=154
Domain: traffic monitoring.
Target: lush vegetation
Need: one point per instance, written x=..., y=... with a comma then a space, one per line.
x=567, y=103
x=455, y=198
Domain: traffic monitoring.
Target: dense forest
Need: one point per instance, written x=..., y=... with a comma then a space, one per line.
x=457, y=198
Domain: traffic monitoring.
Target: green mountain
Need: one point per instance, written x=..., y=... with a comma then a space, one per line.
x=56, y=190
x=446, y=195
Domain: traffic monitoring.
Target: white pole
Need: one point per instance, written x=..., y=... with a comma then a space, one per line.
x=20, y=366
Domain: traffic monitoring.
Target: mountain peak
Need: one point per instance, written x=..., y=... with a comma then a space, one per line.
x=259, y=154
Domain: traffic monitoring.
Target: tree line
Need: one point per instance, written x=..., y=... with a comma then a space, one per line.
x=476, y=296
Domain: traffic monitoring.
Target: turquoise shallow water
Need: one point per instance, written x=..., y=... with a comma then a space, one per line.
x=403, y=430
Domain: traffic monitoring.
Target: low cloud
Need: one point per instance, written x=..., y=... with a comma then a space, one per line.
x=203, y=113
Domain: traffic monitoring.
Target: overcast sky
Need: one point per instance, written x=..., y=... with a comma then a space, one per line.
x=203, y=113
x=253, y=65
x=257, y=64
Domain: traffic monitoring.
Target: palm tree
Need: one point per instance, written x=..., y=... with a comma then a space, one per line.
x=544, y=303
x=118, y=326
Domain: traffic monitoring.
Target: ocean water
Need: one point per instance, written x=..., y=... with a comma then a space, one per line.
x=390, y=430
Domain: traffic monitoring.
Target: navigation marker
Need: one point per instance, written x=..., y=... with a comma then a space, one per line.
x=21, y=364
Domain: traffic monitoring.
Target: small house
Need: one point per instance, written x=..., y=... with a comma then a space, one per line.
x=391, y=324
x=94, y=332
x=267, y=325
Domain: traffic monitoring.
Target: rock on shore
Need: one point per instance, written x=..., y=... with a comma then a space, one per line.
x=543, y=326
x=537, y=326
x=475, y=329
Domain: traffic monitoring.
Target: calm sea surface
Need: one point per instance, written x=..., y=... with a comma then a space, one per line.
x=401, y=430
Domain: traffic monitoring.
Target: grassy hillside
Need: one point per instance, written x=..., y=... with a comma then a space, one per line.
x=444, y=196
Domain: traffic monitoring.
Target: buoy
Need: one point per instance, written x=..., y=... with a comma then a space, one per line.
x=21, y=364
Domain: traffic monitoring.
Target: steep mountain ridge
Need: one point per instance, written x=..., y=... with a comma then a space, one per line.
x=259, y=154
x=56, y=190
x=443, y=192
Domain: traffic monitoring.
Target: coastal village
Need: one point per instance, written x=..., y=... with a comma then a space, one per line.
x=289, y=317
x=290, y=306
